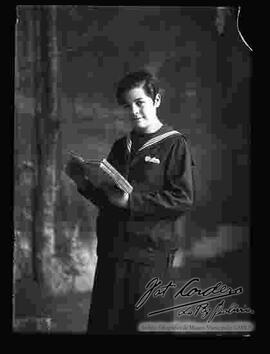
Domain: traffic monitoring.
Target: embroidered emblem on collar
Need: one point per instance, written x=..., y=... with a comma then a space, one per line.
x=151, y=159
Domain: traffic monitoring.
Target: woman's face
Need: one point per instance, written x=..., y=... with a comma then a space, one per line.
x=141, y=109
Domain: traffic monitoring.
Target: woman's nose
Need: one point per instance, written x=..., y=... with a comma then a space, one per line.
x=134, y=110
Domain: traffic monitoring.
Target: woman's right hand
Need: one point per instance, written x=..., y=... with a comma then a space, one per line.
x=74, y=169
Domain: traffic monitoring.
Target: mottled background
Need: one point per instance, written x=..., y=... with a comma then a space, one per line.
x=205, y=72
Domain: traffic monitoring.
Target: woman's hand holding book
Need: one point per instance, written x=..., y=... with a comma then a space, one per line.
x=116, y=196
x=75, y=170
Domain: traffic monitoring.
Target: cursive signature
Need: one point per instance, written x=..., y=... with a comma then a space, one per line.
x=218, y=288
x=155, y=288
x=206, y=312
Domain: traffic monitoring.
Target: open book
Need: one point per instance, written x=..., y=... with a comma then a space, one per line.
x=101, y=173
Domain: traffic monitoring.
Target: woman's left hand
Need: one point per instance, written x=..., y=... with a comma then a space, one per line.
x=117, y=197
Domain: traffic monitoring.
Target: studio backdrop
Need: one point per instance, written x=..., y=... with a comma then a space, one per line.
x=68, y=60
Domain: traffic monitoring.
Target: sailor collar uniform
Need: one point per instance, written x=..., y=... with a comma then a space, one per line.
x=142, y=240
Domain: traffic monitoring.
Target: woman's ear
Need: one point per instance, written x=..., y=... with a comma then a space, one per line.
x=157, y=100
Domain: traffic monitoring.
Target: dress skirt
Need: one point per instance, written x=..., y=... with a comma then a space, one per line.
x=118, y=287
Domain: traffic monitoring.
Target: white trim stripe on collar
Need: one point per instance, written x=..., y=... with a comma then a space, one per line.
x=129, y=143
x=153, y=140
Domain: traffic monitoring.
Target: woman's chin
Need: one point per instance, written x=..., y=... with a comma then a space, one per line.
x=139, y=124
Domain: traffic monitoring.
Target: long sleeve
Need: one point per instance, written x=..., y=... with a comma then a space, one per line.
x=96, y=195
x=177, y=196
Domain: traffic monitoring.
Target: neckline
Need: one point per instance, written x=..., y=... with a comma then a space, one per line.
x=145, y=135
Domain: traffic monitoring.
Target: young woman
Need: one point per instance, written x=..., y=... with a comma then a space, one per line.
x=137, y=234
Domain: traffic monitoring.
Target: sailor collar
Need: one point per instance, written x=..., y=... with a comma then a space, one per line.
x=151, y=141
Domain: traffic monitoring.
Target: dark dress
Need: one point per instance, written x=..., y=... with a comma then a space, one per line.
x=137, y=245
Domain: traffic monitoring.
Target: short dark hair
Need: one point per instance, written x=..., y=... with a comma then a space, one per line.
x=135, y=79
